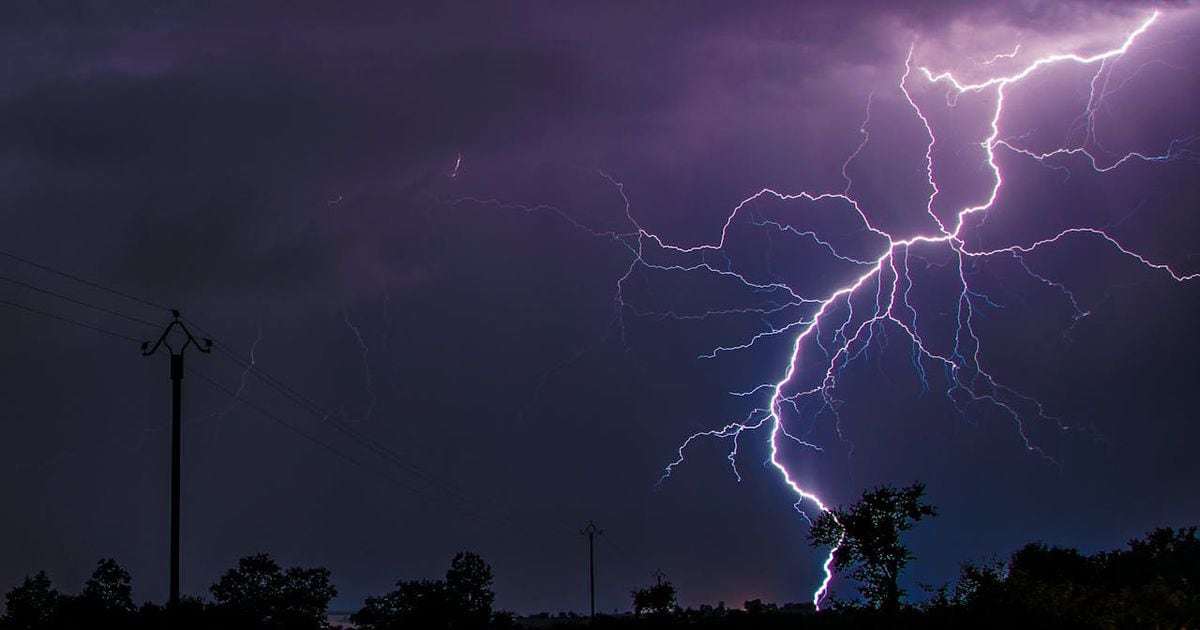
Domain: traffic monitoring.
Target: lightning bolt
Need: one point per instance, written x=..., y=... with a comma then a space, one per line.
x=841, y=324
x=1000, y=56
x=237, y=394
x=249, y=368
x=842, y=334
x=366, y=364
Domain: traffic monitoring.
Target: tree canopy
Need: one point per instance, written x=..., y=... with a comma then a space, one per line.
x=463, y=601
x=867, y=539
x=658, y=599
x=1155, y=582
x=258, y=592
x=1152, y=582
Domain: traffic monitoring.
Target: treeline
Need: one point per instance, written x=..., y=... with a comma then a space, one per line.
x=1153, y=583
x=259, y=594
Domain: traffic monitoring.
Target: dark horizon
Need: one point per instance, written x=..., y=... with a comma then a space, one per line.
x=422, y=225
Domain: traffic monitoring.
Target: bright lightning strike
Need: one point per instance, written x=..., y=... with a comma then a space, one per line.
x=842, y=323
x=888, y=277
x=1000, y=56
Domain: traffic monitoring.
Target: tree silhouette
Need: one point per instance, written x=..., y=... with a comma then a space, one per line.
x=106, y=600
x=658, y=599
x=868, y=539
x=32, y=604
x=258, y=593
x=469, y=587
x=463, y=601
x=413, y=604
x=756, y=606
x=1153, y=583
x=108, y=589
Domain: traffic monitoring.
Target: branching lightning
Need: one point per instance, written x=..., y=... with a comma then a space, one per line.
x=889, y=278
x=1000, y=56
x=368, y=382
x=237, y=395
x=842, y=323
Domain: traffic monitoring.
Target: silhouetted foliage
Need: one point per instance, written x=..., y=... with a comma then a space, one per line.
x=977, y=582
x=658, y=599
x=108, y=589
x=463, y=601
x=106, y=600
x=414, y=603
x=1161, y=573
x=256, y=594
x=32, y=604
x=869, y=537
x=1153, y=583
x=189, y=613
x=757, y=607
x=260, y=594
x=469, y=586
x=503, y=620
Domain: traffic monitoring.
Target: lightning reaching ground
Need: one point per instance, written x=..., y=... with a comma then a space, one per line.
x=841, y=324
x=700, y=272
x=830, y=330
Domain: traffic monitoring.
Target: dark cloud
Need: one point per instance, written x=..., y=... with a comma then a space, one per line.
x=285, y=168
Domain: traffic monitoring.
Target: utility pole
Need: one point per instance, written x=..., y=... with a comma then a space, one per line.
x=591, y=531
x=658, y=576
x=204, y=346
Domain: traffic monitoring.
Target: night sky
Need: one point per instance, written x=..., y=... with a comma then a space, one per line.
x=416, y=218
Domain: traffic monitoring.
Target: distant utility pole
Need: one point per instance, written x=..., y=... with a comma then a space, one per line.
x=591, y=531
x=183, y=342
x=658, y=576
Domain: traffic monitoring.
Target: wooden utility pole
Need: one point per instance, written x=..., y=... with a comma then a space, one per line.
x=183, y=342
x=591, y=531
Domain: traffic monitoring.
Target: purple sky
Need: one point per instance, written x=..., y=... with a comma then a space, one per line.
x=282, y=173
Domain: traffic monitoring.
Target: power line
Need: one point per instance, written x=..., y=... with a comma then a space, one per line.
x=374, y=446
x=70, y=321
x=501, y=511
x=94, y=285
x=83, y=303
x=285, y=424
x=622, y=554
x=288, y=392
x=362, y=440
x=269, y=380
x=315, y=440
x=351, y=433
x=258, y=409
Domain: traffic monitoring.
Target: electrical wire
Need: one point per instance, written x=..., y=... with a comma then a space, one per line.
x=328, y=419
x=102, y=309
x=84, y=281
x=68, y=320
x=315, y=440
x=358, y=437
